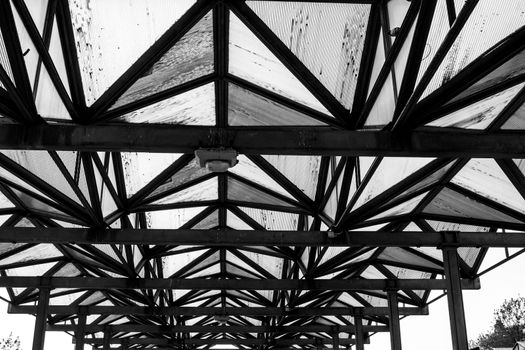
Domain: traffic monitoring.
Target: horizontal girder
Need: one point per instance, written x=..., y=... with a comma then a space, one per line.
x=239, y=238
x=254, y=140
x=206, y=311
x=101, y=283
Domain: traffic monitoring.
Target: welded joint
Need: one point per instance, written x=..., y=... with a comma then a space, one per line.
x=449, y=240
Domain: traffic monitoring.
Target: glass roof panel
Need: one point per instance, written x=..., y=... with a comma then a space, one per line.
x=141, y=168
x=106, y=48
x=37, y=9
x=303, y=171
x=517, y=120
x=327, y=37
x=48, y=102
x=485, y=177
x=203, y=191
x=513, y=67
x=389, y=172
x=248, y=108
x=174, y=263
x=171, y=219
x=383, y=109
x=248, y=170
x=56, y=53
x=482, y=30
x=193, y=107
x=251, y=60
x=240, y=191
x=190, y=172
x=438, y=30
x=273, y=220
x=29, y=50
x=454, y=204
x=479, y=115
x=190, y=58
x=209, y=222
x=235, y=222
x=403, y=208
x=42, y=165
x=4, y=59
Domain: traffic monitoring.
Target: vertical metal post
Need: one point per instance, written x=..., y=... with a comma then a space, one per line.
x=395, y=329
x=107, y=338
x=455, y=299
x=335, y=339
x=81, y=331
x=359, y=336
x=41, y=318
x=125, y=344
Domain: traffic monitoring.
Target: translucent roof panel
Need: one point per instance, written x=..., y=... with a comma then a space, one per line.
x=190, y=58
x=249, y=108
x=194, y=107
x=327, y=38
x=250, y=59
x=107, y=48
x=481, y=31
x=480, y=114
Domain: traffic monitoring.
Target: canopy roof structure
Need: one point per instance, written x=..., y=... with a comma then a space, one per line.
x=356, y=123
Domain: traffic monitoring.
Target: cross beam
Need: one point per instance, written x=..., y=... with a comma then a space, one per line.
x=142, y=328
x=101, y=283
x=236, y=238
x=254, y=140
x=206, y=311
x=222, y=341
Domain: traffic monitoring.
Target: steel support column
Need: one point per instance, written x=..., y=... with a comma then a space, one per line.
x=359, y=335
x=41, y=319
x=80, y=332
x=107, y=340
x=395, y=330
x=335, y=340
x=455, y=299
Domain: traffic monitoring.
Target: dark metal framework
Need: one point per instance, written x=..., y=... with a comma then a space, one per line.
x=355, y=165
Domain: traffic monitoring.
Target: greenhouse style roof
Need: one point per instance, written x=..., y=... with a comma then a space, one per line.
x=256, y=167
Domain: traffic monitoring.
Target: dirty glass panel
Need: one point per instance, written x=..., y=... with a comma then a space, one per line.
x=389, y=173
x=517, y=120
x=171, y=219
x=327, y=37
x=248, y=170
x=203, y=191
x=250, y=109
x=194, y=107
x=106, y=47
x=483, y=29
x=454, y=204
x=141, y=168
x=481, y=114
x=303, y=171
x=403, y=208
x=485, y=177
x=240, y=191
x=273, y=220
x=513, y=67
x=250, y=59
x=190, y=58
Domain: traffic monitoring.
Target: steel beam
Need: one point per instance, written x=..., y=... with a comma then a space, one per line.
x=254, y=140
x=221, y=341
x=80, y=331
x=102, y=283
x=148, y=328
x=39, y=334
x=395, y=328
x=206, y=311
x=359, y=333
x=456, y=310
x=239, y=238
